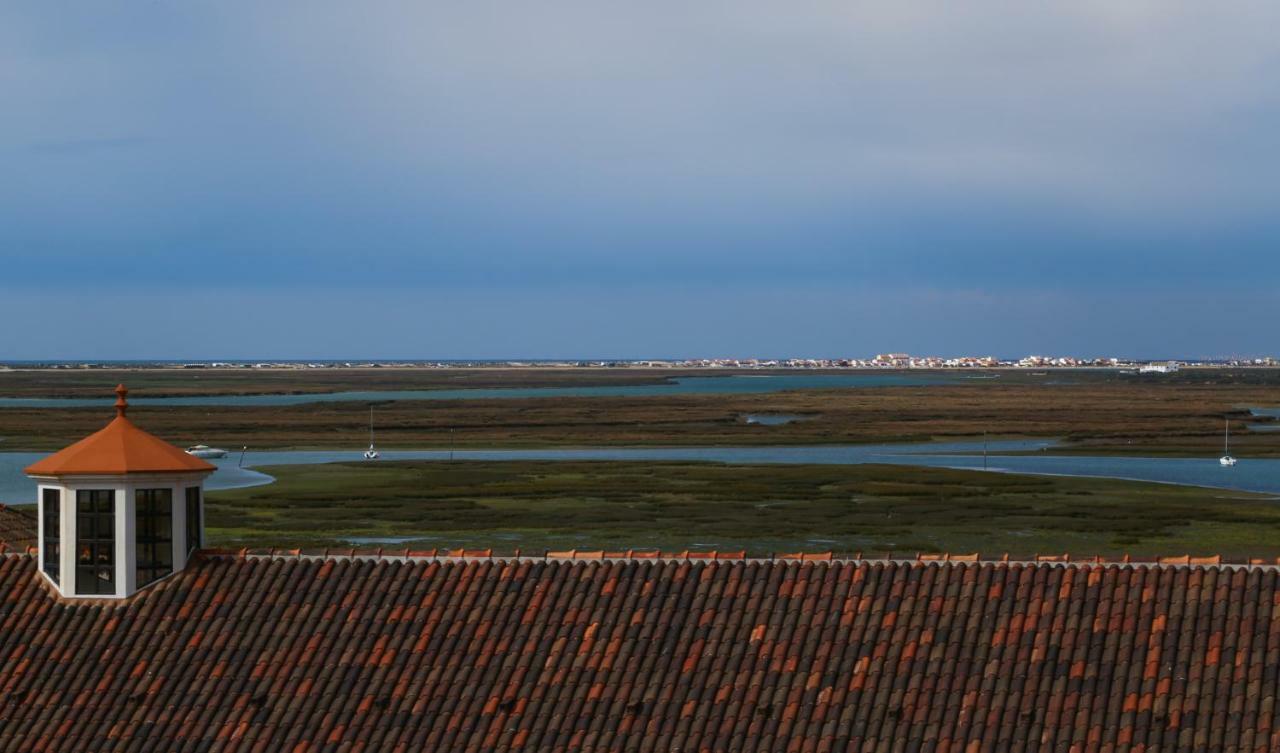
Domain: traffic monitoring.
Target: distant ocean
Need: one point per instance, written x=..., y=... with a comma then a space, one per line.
x=161, y=362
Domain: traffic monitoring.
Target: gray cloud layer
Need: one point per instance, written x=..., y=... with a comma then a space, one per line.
x=997, y=146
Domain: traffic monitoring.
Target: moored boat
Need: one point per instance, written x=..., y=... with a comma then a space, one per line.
x=205, y=451
x=372, y=452
x=1227, y=461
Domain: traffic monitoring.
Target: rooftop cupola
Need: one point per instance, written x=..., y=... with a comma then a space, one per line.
x=119, y=510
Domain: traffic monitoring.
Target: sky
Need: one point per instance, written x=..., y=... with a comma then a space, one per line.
x=420, y=179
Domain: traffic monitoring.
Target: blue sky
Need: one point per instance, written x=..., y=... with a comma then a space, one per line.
x=469, y=180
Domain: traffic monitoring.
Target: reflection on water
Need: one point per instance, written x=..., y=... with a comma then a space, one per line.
x=1250, y=475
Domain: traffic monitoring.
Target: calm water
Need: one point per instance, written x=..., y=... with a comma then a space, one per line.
x=772, y=419
x=1268, y=413
x=722, y=385
x=1249, y=475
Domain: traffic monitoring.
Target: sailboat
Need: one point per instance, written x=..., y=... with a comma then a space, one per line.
x=372, y=452
x=1226, y=461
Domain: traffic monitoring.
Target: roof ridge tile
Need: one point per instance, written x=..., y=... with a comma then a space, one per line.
x=571, y=555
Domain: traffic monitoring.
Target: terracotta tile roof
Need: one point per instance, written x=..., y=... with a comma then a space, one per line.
x=120, y=447
x=18, y=527
x=350, y=654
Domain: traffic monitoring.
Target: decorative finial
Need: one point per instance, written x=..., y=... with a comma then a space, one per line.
x=122, y=405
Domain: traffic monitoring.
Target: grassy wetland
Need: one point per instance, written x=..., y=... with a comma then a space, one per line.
x=1094, y=412
x=622, y=505
x=762, y=509
x=171, y=382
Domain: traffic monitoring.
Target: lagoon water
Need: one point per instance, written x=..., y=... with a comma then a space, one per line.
x=736, y=384
x=1249, y=475
x=772, y=419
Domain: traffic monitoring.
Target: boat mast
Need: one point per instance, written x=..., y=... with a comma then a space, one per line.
x=1226, y=438
x=371, y=426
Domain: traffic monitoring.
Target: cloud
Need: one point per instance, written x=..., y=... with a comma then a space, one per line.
x=428, y=146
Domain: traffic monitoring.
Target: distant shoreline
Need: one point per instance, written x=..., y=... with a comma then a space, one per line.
x=126, y=366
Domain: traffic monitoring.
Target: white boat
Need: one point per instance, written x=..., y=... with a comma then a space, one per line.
x=372, y=452
x=205, y=451
x=1226, y=461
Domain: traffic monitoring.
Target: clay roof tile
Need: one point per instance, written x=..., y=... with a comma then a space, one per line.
x=288, y=652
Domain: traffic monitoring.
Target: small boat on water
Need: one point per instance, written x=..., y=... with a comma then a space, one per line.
x=372, y=452
x=205, y=451
x=1227, y=461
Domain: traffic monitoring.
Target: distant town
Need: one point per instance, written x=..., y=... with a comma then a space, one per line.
x=882, y=361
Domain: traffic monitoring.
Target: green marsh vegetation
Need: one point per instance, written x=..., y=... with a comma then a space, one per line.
x=675, y=506
x=174, y=382
x=1094, y=412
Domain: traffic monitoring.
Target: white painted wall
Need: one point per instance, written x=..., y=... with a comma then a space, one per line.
x=125, y=488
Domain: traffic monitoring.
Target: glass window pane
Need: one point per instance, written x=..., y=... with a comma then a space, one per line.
x=51, y=510
x=193, y=520
x=95, y=541
x=154, y=535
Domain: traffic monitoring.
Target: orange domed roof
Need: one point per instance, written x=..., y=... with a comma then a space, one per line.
x=120, y=447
